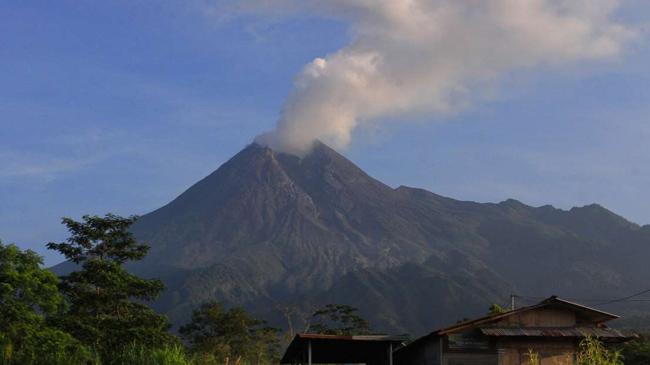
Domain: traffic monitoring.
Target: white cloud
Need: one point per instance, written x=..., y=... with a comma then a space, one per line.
x=429, y=57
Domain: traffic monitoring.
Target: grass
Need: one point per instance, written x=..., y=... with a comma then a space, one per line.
x=171, y=355
x=131, y=355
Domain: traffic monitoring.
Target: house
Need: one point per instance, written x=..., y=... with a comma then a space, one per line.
x=552, y=328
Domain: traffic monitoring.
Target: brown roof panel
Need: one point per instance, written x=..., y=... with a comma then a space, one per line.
x=577, y=332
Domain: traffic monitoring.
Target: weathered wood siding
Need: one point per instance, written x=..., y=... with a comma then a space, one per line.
x=426, y=353
x=515, y=352
x=470, y=359
x=540, y=318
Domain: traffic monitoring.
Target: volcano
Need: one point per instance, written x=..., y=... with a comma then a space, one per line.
x=281, y=235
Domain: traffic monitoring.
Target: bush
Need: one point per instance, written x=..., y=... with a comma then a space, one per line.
x=590, y=352
x=135, y=354
x=637, y=352
x=44, y=346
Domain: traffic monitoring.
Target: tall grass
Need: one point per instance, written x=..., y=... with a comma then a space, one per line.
x=133, y=354
x=139, y=355
x=590, y=352
x=169, y=355
x=53, y=356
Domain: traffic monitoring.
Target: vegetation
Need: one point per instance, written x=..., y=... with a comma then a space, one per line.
x=230, y=334
x=28, y=298
x=593, y=352
x=496, y=309
x=637, y=352
x=106, y=303
x=339, y=319
x=590, y=352
x=98, y=314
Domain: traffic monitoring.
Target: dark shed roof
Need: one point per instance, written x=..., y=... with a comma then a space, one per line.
x=340, y=349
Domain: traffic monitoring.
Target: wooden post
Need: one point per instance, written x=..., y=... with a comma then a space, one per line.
x=390, y=353
x=512, y=302
x=309, y=352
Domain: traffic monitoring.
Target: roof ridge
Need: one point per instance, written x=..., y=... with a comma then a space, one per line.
x=550, y=300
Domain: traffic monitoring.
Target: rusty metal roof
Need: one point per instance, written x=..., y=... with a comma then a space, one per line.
x=578, y=332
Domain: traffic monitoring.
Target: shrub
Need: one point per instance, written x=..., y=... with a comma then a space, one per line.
x=590, y=352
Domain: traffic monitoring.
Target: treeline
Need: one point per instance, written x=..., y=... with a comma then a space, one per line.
x=98, y=314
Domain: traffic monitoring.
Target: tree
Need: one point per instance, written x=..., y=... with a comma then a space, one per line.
x=496, y=309
x=637, y=352
x=339, y=319
x=28, y=296
x=106, y=302
x=231, y=333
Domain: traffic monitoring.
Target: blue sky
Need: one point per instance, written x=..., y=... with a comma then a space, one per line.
x=120, y=106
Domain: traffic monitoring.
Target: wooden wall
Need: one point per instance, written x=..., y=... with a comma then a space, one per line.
x=540, y=318
x=515, y=352
x=425, y=353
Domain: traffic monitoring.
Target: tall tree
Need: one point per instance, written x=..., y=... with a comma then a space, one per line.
x=339, y=319
x=28, y=296
x=231, y=333
x=107, y=307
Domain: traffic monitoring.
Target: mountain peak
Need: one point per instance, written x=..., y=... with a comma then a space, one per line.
x=270, y=227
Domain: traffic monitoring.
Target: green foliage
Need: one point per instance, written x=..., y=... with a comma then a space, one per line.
x=496, y=309
x=106, y=309
x=590, y=352
x=43, y=345
x=28, y=295
x=135, y=354
x=25, y=288
x=593, y=352
x=637, y=352
x=339, y=319
x=220, y=334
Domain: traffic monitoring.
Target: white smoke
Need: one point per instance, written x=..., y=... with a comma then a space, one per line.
x=429, y=56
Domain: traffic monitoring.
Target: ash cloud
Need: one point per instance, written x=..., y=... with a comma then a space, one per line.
x=430, y=57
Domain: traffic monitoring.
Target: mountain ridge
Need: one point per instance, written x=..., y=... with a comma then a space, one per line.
x=268, y=230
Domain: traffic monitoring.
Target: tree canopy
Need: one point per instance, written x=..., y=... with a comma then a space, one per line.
x=107, y=307
x=230, y=333
x=339, y=319
x=28, y=298
x=497, y=309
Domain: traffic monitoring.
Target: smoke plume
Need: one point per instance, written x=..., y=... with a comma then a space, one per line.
x=428, y=56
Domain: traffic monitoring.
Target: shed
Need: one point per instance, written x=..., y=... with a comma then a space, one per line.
x=307, y=348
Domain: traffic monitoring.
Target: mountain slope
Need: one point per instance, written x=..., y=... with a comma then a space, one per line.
x=269, y=230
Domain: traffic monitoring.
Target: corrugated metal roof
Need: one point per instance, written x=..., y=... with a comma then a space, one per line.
x=383, y=338
x=600, y=332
